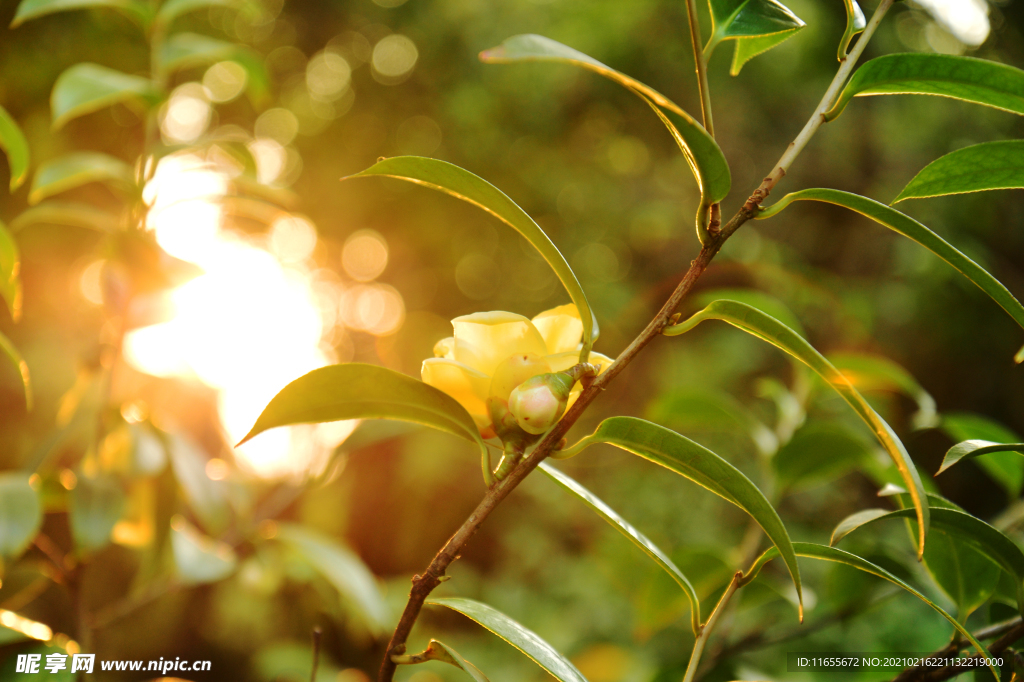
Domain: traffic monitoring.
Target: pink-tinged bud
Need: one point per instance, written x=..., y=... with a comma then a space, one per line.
x=539, y=402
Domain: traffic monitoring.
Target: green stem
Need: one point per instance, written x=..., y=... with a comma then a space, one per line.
x=709, y=626
x=702, y=67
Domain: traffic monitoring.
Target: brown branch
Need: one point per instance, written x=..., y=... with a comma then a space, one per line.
x=1011, y=631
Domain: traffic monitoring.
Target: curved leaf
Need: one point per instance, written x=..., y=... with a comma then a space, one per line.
x=748, y=48
x=95, y=507
x=199, y=559
x=811, y=550
x=756, y=25
x=21, y=513
x=439, y=651
x=702, y=466
x=32, y=9
x=77, y=169
x=357, y=391
x=635, y=536
x=85, y=88
x=910, y=228
x=965, y=78
x=10, y=265
x=701, y=151
x=976, y=448
x=188, y=50
x=14, y=144
x=66, y=213
x=172, y=9
x=878, y=373
x=462, y=184
x=19, y=363
x=1005, y=468
x=980, y=167
x=759, y=324
x=535, y=648
x=855, y=23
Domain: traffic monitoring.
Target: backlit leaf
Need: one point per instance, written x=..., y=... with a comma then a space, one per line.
x=766, y=328
x=95, y=506
x=189, y=50
x=15, y=146
x=199, y=559
x=756, y=25
x=85, y=88
x=980, y=167
x=69, y=214
x=10, y=266
x=19, y=364
x=32, y=9
x=976, y=448
x=172, y=9
x=1004, y=466
x=439, y=651
x=21, y=513
x=77, y=169
x=535, y=648
x=877, y=373
x=855, y=23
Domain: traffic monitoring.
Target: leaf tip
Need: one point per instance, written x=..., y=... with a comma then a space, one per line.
x=1019, y=357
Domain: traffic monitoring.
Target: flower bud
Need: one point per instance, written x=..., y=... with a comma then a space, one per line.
x=539, y=402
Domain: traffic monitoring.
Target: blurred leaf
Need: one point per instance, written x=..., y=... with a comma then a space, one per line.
x=21, y=514
x=198, y=558
x=189, y=50
x=766, y=303
x=701, y=151
x=77, y=169
x=748, y=48
x=635, y=536
x=206, y=497
x=32, y=9
x=95, y=507
x=439, y=651
x=823, y=553
x=539, y=651
x=878, y=373
x=357, y=391
x=967, y=576
x=709, y=411
x=14, y=144
x=914, y=230
x=965, y=78
x=10, y=266
x=19, y=363
x=818, y=453
x=172, y=9
x=695, y=462
x=766, y=328
x=343, y=569
x=85, y=88
x=855, y=23
x=756, y=25
x=976, y=448
x=67, y=213
x=980, y=167
x=462, y=184
x=1005, y=467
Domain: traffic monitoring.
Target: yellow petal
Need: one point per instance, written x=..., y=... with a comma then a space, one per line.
x=465, y=384
x=561, y=328
x=493, y=337
x=445, y=348
x=514, y=371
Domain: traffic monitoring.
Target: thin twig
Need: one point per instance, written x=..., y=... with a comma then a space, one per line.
x=702, y=67
x=317, y=633
x=708, y=627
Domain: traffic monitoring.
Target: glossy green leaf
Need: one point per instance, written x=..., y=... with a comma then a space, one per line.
x=32, y=9
x=207, y=498
x=77, y=169
x=877, y=373
x=701, y=151
x=19, y=364
x=980, y=167
x=716, y=413
x=172, y=9
x=462, y=184
x=811, y=550
x=1005, y=468
x=748, y=48
x=761, y=325
x=695, y=462
x=342, y=568
x=910, y=228
x=967, y=576
x=634, y=536
x=199, y=559
x=189, y=50
x=95, y=506
x=820, y=452
x=85, y=88
x=15, y=146
x=21, y=514
x=756, y=25
x=69, y=214
x=964, y=78
x=976, y=448
x=10, y=266
x=535, y=648
x=755, y=298
x=439, y=651
x=855, y=23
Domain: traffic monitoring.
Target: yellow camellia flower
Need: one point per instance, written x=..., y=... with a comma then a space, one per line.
x=492, y=353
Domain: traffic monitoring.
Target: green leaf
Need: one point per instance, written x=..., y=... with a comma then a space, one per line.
x=357, y=391
x=700, y=149
x=748, y=48
x=855, y=23
x=462, y=184
x=766, y=328
x=32, y=9
x=695, y=462
x=1005, y=468
x=189, y=50
x=94, y=508
x=634, y=536
x=818, y=453
x=706, y=411
x=439, y=651
x=76, y=169
x=10, y=266
x=21, y=514
x=85, y=88
x=878, y=373
x=342, y=568
x=755, y=298
x=976, y=448
x=756, y=25
x=14, y=144
x=535, y=648
x=19, y=363
x=207, y=498
x=910, y=228
x=199, y=559
x=172, y=9
x=823, y=553
x=965, y=78
x=967, y=576
x=67, y=213
x=980, y=167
